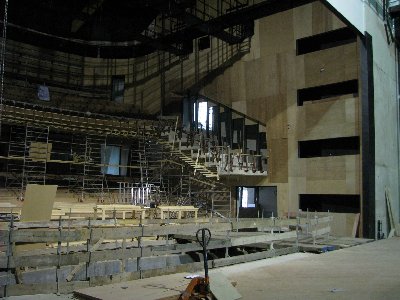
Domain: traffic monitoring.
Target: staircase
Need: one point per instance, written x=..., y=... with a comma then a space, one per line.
x=202, y=186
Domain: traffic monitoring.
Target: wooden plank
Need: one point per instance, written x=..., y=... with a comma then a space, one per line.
x=304, y=247
x=262, y=223
x=80, y=234
x=45, y=236
x=44, y=260
x=45, y=288
x=64, y=223
x=49, y=260
x=342, y=225
x=320, y=220
x=322, y=231
x=253, y=256
x=390, y=213
x=244, y=240
x=80, y=266
x=355, y=225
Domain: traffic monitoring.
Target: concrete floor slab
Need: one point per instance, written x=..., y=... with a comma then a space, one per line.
x=369, y=271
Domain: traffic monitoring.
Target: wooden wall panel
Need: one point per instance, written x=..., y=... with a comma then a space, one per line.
x=257, y=108
x=254, y=79
x=332, y=175
x=328, y=119
x=331, y=65
x=278, y=159
x=326, y=168
x=277, y=33
x=237, y=78
x=302, y=17
x=323, y=20
x=276, y=121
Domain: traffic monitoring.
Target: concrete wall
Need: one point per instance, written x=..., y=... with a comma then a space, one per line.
x=386, y=118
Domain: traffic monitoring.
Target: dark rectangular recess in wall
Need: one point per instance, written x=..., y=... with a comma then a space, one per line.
x=329, y=147
x=204, y=43
x=326, y=40
x=327, y=91
x=336, y=203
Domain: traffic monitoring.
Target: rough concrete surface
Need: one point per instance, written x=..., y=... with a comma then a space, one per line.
x=370, y=271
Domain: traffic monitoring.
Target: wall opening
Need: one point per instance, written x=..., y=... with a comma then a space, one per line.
x=327, y=91
x=329, y=147
x=333, y=203
x=118, y=88
x=257, y=201
x=326, y=40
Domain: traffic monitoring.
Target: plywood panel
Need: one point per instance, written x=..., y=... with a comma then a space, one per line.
x=332, y=118
x=326, y=168
x=240, y=106
x=302, y=18
x=331, y=65
x=237, y=77
x=332, y=175
x=276, y=117
x=277, y=33
x=256, y=83
x=40, y=151
x=257, y=108
x=38, y=202
x=353, y=177
x=269, y=75
x=278, y=160
x=299, y=71
x=323, y=19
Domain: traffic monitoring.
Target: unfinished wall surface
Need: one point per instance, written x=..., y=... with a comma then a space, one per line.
x=264, y=85
x=386, y=119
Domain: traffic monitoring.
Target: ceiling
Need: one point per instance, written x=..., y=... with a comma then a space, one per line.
x=133, y=28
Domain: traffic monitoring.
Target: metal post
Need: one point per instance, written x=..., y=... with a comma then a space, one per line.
x=58, y=254
x=204, y=242
x=9, y=253
x=3, y=59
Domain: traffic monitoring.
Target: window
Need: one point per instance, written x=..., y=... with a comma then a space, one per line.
x=118, y=89
x=204, y=114
x=329, y=147
x=110, y=159
x=247, y=197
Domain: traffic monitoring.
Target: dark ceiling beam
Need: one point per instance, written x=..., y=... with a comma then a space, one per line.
x=243, y=16
x=179, y=42
x=87, y=12
x=156, y=44
x=204, y=27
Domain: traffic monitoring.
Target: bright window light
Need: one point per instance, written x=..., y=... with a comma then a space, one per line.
x=245, y=196
x=202, y=115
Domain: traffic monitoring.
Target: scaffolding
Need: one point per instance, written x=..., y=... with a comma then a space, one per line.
x=28, y=153
x=93, y=179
